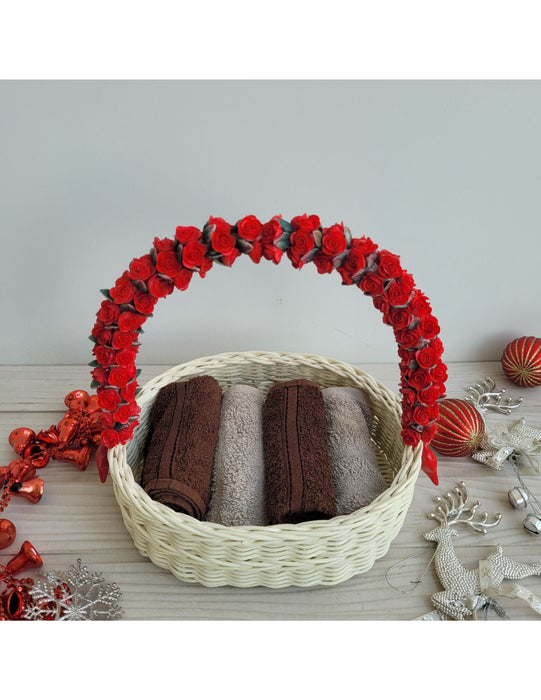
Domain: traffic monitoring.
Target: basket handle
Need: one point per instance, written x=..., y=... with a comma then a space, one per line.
x=172, y=262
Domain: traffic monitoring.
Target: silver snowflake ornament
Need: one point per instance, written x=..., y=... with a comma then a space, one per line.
x=77, y=595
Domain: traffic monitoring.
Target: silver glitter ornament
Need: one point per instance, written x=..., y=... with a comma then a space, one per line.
x=468, y=591
x=518, y=497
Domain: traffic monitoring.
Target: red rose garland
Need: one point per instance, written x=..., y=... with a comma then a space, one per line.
x=172, y=262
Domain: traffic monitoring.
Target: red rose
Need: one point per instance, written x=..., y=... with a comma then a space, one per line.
x=426, y=357
x=126, y=434
x=257, y=251
x=160, y=286
x=429, y=395
x=108, y=399
x=418, y=379
x=102, y=335
x=371, y=284
x=409, y=396
x=126, y=357
x=301, y=242
x=221, y=239
x=333, y=241
x=183, y=278
x=108, y=312
x=419, y=304
x=439, y=373
x=306, y=223
x=167, y=263
x=422, y=415
x=109, y=438
x=398, y=318
x=187, y=234
x=164, y=244
x=123, y=339
x=119, y=376
x=428, y=433
x=270, y=233
x=99, y=374
x=206, y=264
x=437, y=345
x=410, y=437
x=249, y=228
x=144, y=303
x=141, y=268
x=130, y=321
x=229, y=258
x=104, y=355
x=380, y=304
x=128, y=392
x=388, y=264
x=398, y=292
x=363, y=245
x=122, y=414
x=429, y=327
x=323, y=263
x=193, y=255
x=123, y=291
x=408, y=337
x=354, y=262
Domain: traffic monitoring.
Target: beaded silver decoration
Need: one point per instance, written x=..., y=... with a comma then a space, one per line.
x=468, y=591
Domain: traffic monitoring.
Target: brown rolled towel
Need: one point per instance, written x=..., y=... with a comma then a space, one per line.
x=183, y=432
x=299, y=484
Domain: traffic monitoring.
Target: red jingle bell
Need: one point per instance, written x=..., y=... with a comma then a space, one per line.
x=67, y=428
x=79, y=456
x=37, y=455
x=32, y=489
x=26, y=558
x=50, y=436
x=7, y=533
x=21, y=470
x=20, y=439
x=5, y=474
x=93, y=405
x=13, y=604
x=77, y=399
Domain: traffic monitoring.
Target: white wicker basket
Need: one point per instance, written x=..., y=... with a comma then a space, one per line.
x=322, y=552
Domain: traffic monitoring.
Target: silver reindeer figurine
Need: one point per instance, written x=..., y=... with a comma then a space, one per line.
x=465, y=590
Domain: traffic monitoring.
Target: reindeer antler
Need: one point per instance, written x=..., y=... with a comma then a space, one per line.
x=454, y=504
x=483, y=396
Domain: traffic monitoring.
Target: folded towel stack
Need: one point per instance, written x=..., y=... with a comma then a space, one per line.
x=357, y=478
x=298, y=469
x=301, y=454
x=184, y=425
x=237, y=490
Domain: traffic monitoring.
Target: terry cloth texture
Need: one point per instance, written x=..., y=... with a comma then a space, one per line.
x=357, y=478
x=182, y=438
x=238, y=476
x=299, y=483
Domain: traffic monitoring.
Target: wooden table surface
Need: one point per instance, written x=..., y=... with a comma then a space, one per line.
x=78, y=517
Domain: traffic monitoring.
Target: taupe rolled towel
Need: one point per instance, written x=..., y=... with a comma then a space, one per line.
x=237, y=496
x=357, y=478
x=298, y=477
x=183, y=432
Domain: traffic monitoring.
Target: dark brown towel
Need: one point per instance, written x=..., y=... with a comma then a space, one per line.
x=183, y=432
x=299, y=483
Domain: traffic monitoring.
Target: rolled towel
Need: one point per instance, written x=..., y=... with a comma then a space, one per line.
x=184, y=424
x=299, y=483
x=357, y=478
x=238, y=476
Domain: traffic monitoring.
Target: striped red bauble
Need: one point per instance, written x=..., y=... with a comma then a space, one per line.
x=521, y=361
x=459, y=428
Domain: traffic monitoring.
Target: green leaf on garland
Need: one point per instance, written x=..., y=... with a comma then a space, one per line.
x=283, y=242
x=106, y=294
x=94, y=363
x=347, y=234
x=94, y=384
x=318, y=237
x=91, y=337
x=286, y=226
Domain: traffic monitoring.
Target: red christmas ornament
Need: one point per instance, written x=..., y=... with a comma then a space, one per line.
x=7, y=533
x=521, y=361
x=459, y=428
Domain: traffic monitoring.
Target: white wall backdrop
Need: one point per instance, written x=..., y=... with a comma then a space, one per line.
x=446, y=174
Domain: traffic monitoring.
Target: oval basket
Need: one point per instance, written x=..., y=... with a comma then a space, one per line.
x=322, y=552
